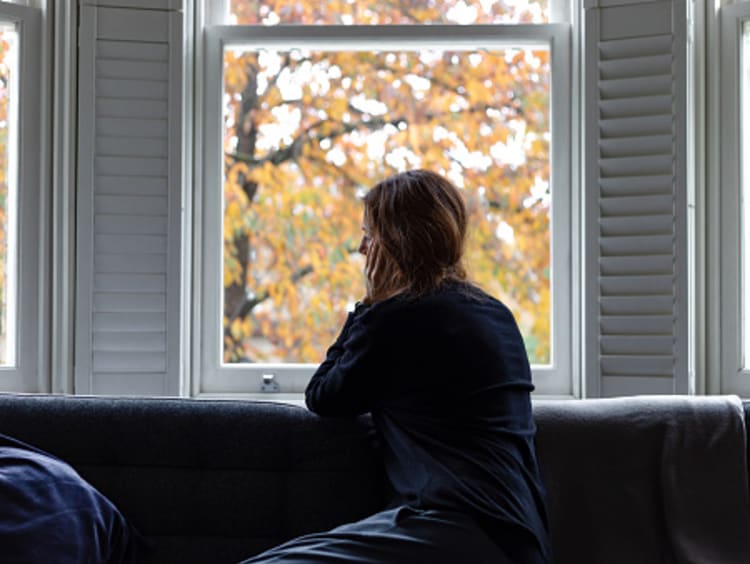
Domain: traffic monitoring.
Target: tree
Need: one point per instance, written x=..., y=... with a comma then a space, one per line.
x=307, y=133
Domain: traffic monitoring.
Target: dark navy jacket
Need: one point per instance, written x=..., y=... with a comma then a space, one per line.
x=447, y=380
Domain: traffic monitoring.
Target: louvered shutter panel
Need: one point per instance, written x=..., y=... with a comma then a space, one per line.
x=636, y=199
x=128, y=201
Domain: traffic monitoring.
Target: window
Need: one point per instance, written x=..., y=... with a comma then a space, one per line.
x=299, y=120
x=735, y=197
x=744, y=89
x=8, y=189
x=20, y=347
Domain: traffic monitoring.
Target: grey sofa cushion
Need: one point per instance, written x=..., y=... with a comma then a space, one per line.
x=209, y=481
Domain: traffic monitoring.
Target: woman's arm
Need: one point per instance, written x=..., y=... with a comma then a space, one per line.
x=344, y=384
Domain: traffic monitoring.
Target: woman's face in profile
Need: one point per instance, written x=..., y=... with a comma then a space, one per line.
x=364, y=244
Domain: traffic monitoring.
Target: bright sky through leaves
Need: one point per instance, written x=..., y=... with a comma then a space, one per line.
x=384, y=12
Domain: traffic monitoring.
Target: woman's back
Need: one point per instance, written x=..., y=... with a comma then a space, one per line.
x=447, y=380
x=443, y=369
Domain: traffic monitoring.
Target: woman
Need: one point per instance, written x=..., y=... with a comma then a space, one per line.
x=443, y=369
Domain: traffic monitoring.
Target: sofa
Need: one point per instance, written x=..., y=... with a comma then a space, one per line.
x=629, y=480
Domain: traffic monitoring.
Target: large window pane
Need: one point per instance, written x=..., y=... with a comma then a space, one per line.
x=8, y=189
x=306, y=133
x=371, y=12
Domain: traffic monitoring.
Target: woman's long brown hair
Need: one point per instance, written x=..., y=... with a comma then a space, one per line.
x=417, y=222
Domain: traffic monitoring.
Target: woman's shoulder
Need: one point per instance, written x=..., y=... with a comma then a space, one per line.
x=454, y=296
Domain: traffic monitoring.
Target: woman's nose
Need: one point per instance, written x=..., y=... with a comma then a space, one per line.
x=363, y=244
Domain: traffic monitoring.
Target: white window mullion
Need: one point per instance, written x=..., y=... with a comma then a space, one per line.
x=735, y=193
x=24, y=286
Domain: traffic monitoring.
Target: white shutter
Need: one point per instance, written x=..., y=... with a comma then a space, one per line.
x=636, y=198
x=129, y=201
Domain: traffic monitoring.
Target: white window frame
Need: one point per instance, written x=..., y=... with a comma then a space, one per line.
x=30, y=341
x=735, y=378
x=210, y=377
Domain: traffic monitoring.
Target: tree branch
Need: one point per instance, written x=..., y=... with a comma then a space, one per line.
x=248, y=304
x=294, y=149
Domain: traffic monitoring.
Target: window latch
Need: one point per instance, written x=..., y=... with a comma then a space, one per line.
x=270, y=385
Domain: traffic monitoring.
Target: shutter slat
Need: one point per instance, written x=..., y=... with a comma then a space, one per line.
x=636, y=305
x=122, y=127
x=129, y=321
x=130, y=244
x=635, y=265
x=618, y=385
x=131, y=167
x=120, y=341
x=135, y=109
x=636, y=205
x=130, y=283
x=636, y=325
x=151, y=26
x=635, y=166
x=131, y=147
x=636, y=225
x=635, y=126
x=132, y=89
x=637, y=245
x=143, y=206
x=132, y=383
x=636, y=185
x=637, y=344
x=636, y=146
x=128, y=361
x=621, y=88
x=141, y=185
x=132, y=51
x=625, y=48
x=128, y=301
x=635, y=285
x=638, y=106
x=136, y=70
x=136, y=263
x=130, y=225
x=652, y=65
x=643, y=20
x=640, y=365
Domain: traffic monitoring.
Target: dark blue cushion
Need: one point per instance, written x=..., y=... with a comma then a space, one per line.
x=48, y=513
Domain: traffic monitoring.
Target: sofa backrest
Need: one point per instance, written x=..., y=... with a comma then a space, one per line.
x=209, y=481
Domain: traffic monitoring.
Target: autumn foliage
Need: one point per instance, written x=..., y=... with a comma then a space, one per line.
x=4, y=95
x=308, y=132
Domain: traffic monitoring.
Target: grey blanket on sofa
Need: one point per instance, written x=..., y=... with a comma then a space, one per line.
x=646, y=479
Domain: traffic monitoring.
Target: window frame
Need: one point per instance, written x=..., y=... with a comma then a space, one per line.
x=735, y=378
x=30, y=340
x=211, y=378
